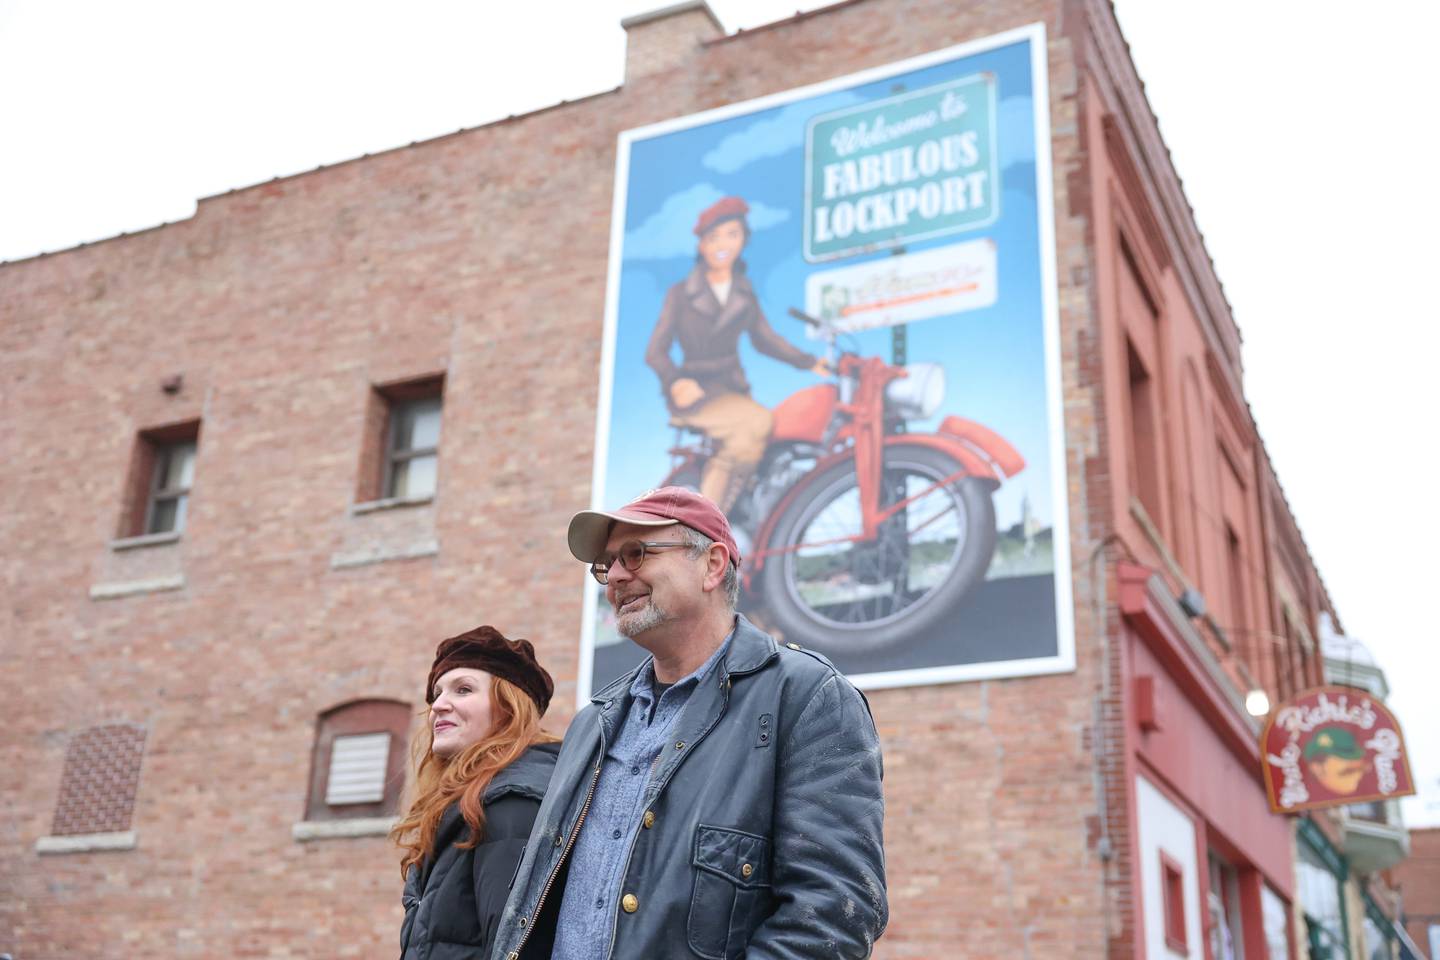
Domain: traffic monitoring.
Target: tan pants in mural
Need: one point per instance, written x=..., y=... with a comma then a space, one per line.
x=739, y=427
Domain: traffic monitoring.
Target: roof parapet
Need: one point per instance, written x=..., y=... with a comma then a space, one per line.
x=663, y=39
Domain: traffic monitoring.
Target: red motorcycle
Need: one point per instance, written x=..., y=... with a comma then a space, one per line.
x=856, y=533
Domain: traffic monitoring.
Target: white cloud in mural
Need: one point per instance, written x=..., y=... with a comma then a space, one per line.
x=667, y=232
x=772, y=136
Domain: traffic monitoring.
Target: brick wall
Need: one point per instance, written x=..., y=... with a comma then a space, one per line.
x=1419, y=881
x=481, y=255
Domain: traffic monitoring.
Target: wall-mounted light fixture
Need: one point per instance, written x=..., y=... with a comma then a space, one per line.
x=1257, y=703
x=1192, y=603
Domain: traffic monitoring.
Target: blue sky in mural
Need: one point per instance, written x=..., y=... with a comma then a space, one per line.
x=993, y=357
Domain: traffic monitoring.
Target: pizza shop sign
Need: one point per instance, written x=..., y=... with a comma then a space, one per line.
x=1333, y=746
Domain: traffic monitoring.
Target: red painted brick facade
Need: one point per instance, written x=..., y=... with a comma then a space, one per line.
x=482, y=256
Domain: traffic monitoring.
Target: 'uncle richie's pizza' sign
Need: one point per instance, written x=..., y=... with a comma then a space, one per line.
x=1333, y=746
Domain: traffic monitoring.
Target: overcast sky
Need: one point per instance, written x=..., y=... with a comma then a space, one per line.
x=1301, y=138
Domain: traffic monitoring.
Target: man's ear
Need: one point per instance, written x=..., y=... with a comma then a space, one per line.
x=717, y=559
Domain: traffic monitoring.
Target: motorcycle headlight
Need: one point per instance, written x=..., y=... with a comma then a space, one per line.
x=918, y=394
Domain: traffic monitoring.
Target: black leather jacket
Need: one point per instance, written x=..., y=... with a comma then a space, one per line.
x=453, y=900
x=763, y=823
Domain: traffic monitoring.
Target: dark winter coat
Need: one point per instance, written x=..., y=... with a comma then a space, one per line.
x=709, y=336
x=453, y=900
x=762, y=836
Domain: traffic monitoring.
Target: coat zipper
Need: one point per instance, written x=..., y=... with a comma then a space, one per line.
x=574, y=835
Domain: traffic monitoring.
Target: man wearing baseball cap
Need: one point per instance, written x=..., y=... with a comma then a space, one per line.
x=721, y=800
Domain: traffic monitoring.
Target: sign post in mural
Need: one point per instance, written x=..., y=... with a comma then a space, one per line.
x=833, y=311
x=1333, y=746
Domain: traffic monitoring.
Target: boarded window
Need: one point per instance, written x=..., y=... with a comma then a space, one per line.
x=101, y=776
x=357, y=769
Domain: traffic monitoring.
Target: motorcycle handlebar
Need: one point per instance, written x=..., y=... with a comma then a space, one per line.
x=804, y=317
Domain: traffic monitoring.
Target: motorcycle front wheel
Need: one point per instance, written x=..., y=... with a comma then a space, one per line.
x=828, y=591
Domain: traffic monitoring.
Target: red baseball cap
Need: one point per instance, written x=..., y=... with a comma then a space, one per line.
x=667, y=506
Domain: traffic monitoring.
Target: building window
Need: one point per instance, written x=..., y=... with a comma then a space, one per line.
x=1227, y=936
x=1276, y=916
x=1320, y=899
x=1235, y=555
x=1287, y=657
x=1144, y=436
x=1377, y=944
x=170, y=487
x=162, y=472
x=98, y=785
x=1374, y=811
x=358, y=764
x=400, y=455
x=1172, y=890
x=411, y=454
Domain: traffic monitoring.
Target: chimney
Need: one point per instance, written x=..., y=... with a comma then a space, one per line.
x=663, y=39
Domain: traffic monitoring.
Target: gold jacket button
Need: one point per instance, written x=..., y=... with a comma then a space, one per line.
x=629, y=904
x=649, y=819
x=746, y=869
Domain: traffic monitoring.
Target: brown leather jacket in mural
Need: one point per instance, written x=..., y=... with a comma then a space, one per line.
x=709, y=336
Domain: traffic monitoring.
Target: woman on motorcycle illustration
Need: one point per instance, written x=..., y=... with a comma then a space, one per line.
x=707, y=312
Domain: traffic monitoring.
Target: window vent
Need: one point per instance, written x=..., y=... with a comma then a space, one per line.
x=357, y=769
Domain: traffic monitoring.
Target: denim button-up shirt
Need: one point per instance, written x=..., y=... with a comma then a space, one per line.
x=602, y=851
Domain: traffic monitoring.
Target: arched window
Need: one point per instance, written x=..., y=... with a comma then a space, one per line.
x=357, y=769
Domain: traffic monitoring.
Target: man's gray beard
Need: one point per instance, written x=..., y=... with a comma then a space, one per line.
x=634, y=624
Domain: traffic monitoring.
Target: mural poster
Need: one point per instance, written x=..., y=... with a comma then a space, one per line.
x=833, y=311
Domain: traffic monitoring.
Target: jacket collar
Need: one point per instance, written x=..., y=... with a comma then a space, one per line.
x=528, y=776
x=750, y=649
x=703, y=301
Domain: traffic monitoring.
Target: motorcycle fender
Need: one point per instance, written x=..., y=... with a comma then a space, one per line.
x=995, y=447
x=967, y=458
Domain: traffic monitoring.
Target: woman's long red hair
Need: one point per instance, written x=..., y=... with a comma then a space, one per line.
x=440, y=782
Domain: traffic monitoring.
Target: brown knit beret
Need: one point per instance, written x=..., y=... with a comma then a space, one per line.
x=486, y=648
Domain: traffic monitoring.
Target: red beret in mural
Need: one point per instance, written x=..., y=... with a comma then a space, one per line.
x=1333, y=746
x=726, y=208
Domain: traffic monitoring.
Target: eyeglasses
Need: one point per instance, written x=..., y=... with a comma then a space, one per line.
x=631, y=554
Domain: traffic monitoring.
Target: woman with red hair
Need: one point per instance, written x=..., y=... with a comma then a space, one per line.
x=707, y=312
x=483, y=767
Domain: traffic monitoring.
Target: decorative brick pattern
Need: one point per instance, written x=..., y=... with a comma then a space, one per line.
x=102, y=773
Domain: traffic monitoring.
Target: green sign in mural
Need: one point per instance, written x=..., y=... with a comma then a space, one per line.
x=907, y=168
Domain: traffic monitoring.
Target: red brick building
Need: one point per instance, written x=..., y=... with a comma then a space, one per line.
x=1418, y=879
x=258, y=462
